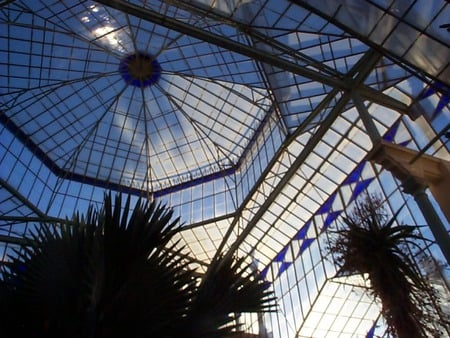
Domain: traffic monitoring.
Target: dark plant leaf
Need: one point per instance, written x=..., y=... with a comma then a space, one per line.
x=112, y=273
x=374, y=244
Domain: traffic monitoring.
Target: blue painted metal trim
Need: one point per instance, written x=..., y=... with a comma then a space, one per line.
x=62, y=173
x=152, y=79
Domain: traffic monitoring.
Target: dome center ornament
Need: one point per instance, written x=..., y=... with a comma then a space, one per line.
x=140, y=70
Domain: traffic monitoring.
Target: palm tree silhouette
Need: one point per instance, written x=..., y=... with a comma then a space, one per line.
x=113, y=273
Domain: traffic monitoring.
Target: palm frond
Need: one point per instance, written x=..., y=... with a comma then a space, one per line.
x=112, y=273
x=372, y=243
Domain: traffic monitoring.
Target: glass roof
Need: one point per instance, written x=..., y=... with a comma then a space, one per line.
x=247, y=117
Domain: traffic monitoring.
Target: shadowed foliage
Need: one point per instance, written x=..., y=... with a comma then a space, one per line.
x=112, y=273
x=372, y=244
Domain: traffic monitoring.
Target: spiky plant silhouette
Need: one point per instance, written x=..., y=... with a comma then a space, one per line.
x=112, y=273
x=373, y=244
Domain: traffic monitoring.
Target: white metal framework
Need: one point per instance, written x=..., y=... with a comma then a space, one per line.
x=252, y=119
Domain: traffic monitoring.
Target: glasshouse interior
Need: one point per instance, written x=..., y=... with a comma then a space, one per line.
x=265, y=129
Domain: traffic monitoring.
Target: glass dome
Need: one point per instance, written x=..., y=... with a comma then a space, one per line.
x=253, y=119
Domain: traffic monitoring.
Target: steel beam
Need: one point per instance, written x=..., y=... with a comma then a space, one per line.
x=21, y=198
x=359, y=72
x=254, y=53
x=384, y=51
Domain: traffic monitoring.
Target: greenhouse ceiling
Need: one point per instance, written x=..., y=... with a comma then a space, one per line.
x=253, y=119
x=153, y=95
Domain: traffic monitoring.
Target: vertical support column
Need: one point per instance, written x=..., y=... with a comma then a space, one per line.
x=416, y=173
x=417, y=190
x=441, y=189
